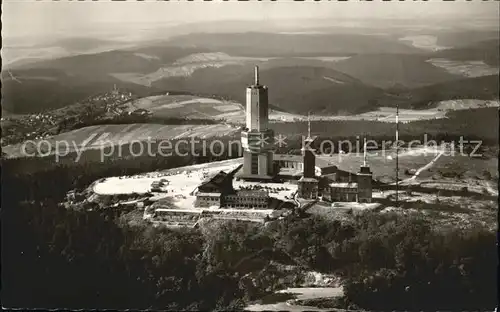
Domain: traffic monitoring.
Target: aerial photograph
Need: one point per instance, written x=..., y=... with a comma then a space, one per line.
x=250, y=156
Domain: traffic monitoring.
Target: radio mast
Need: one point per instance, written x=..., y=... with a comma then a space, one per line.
x=397, y=155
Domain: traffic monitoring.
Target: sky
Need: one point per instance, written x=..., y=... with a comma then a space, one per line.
x=30, y=18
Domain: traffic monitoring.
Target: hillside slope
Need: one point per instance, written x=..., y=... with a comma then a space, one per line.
x=269, y=44
x=140, y=60
x=37, y=90
x=483, y=88
x=321, y=73
x=296, y=89
x=486, y=51
x=105, y=136
x=385, y=70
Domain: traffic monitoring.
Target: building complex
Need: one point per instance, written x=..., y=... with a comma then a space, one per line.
x=315, y=178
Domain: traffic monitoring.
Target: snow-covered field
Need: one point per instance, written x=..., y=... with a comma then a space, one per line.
x=465, y=68
x=424, y=42
x=384, y=114
x=182, y=182
x=118, y=136
x=425, y=150
x=466, y=104
x=325, y=58
x=388, y=114
x=186, y=66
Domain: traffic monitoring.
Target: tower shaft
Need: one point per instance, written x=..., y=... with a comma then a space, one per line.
x=257, y=139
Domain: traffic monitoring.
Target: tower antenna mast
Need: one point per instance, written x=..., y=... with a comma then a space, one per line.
x=364, y=153
x=308, y=125
x=397, y=155
x=256, y=75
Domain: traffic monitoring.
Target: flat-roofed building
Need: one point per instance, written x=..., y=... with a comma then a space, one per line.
x=343, y=192
x=205, y=199
x=251, y=199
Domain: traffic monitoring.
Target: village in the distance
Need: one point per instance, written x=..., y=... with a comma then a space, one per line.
x=347, y=165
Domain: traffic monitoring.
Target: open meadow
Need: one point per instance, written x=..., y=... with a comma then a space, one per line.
x=185, y=66
x=196, y=107
x=187, y=106
x=465, y=68
x=104, y=136
x=181, y=184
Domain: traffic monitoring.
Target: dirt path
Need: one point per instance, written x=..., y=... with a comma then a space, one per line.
x=419, y=170
x=300, y=293
x=490, y=189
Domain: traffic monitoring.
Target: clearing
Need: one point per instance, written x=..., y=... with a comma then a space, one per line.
x=186, y=66
x=424, y=42
x=388, y=114
x=102, y=136
x=465, y=68
x=181, y=184
x=196, y=107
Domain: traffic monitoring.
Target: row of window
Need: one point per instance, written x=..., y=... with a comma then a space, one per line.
x=254, y=164
x=345, y=197
x=291, y=164
x=247, y=199
x=344, y=190
x=250, y=206
x=208, y=198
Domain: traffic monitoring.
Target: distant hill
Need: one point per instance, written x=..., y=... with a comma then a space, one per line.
x=296, y=89
x=465, y=38
x=18, y=54
x=482, y=88
x=81, y=44
x=143, y=60
x=321, y=73
x=36, y=90
x=385, y=70
x=486, y=51
x=269, y=44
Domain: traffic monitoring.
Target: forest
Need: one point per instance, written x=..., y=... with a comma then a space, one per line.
x=471, y=124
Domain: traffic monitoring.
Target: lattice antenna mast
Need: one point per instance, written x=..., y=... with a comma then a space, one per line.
x=364, y=153
x=256, y=75
x=397, y=155
x=308, y=125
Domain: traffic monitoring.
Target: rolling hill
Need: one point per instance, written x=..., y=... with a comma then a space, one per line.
x=104, y=136
x=321, y=73
x=142, y=60
x=82, y=44
x=486, y=51
x=18, y=53
x=296, y=89
x=466, y=37
x=269, y=44
x=483, y=88
x=385, y=70
x=37, y=90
